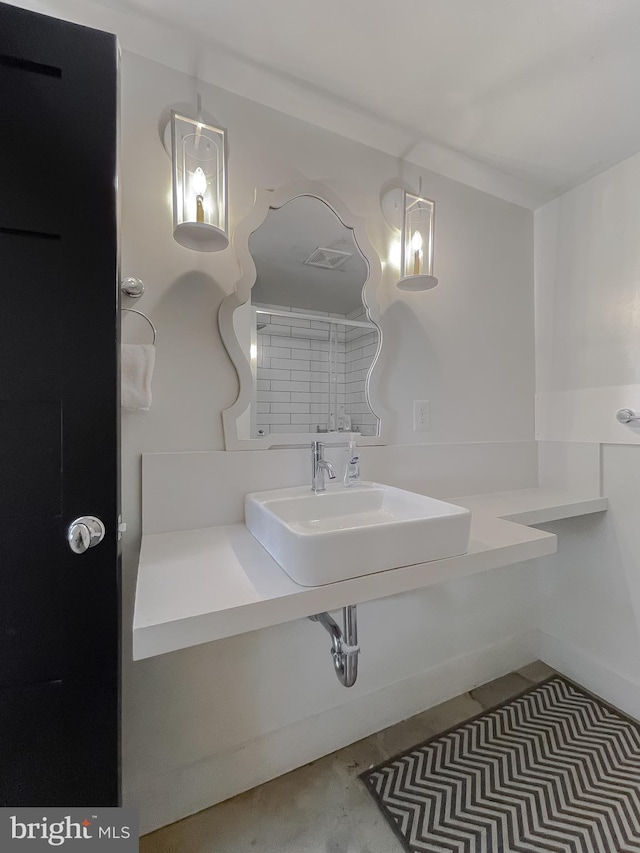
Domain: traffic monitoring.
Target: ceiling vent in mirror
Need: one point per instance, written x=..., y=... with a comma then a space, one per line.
x=328, y=259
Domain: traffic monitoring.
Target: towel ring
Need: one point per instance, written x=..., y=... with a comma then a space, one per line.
x=140, y=314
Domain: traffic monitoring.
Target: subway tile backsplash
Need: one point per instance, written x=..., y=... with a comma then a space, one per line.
x=310, y=374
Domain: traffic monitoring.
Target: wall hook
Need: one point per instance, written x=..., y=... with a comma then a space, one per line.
x=627, y=416
x=133, y=287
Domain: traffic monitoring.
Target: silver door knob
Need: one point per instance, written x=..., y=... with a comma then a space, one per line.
x=84, y=533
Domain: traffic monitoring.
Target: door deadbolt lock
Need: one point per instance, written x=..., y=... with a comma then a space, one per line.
x=84, y=533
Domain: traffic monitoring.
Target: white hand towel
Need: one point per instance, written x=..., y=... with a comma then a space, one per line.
x=137, y=362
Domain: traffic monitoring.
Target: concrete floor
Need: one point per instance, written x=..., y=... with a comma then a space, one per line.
x=323, y=807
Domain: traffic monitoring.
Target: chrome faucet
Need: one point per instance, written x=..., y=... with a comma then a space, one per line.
x=319, y=466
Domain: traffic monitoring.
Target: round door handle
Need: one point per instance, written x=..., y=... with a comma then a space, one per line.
x=84, y=533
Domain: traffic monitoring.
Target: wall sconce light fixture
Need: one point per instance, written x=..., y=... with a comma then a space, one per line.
x=199, y=176
x=414, y=215
x=416, y=258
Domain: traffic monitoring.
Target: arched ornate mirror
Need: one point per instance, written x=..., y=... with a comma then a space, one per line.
x=302, y=326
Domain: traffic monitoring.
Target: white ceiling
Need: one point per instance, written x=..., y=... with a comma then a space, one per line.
x=522, y=98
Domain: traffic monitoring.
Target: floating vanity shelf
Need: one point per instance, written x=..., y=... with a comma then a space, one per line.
x=533, y=506
x=195, y=586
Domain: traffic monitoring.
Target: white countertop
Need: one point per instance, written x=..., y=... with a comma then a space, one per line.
x=195, y=586
x=532, y=506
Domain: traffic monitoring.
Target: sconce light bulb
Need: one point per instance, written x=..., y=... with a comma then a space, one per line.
x=416, y=245
x=199, y=182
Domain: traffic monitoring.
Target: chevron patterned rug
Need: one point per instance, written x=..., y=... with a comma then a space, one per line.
x=551, y=770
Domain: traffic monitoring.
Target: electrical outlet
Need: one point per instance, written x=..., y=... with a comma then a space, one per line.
x=421, y=416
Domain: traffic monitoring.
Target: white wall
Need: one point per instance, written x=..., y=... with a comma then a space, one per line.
x=200, y=725
x=588, y=277
x=587, y=365
x=588, y=309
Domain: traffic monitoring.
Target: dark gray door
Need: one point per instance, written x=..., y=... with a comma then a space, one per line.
x=59, y=413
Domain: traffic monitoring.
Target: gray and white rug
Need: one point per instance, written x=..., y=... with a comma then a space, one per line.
x=552, y=770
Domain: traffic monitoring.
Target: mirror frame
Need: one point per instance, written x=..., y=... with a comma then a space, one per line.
x=265, y=200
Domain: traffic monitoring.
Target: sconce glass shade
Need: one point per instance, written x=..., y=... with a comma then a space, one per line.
x=416, y=260
x=198, y=155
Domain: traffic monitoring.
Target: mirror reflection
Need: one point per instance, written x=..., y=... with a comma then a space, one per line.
x=312, y=343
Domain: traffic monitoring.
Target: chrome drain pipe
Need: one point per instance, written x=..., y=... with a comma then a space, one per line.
x=344, y=643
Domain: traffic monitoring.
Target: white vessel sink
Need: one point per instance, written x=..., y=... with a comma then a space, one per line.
x=348, y=532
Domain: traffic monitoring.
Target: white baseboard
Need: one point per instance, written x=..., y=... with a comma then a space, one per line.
x=163, y=799
x=621, y=690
